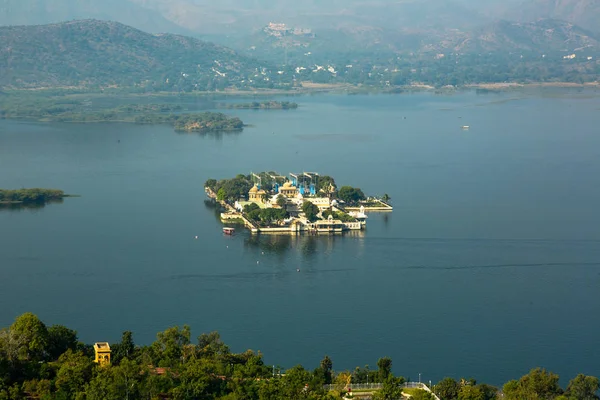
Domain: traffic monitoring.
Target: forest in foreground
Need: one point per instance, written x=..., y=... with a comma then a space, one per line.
x=49, y=362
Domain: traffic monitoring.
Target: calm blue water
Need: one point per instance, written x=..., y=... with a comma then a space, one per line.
x=488, y=266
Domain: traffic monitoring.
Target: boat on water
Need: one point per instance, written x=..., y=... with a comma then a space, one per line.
x=228, y=231
x=465, y=127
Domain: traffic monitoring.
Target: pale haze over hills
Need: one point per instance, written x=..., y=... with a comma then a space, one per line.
x=242, y=16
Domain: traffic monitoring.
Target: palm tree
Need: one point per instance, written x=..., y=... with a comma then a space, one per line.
x=386, y=198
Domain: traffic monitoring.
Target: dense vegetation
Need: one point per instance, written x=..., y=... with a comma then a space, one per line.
x=34, y=195
x=49, y=362
x=96, y=54
x=231, y=189
x=350, y=195
x=265, y=216
x=310, y=211
x=73, y=109
x=238, y=187
x=197, y=122
x=338, y=215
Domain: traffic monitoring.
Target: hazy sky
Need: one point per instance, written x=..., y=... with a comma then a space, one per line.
x=228, y=16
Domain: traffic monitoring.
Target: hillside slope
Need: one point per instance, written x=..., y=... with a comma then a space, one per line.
x=542, y=36
x=90, y=52
x=585, y=13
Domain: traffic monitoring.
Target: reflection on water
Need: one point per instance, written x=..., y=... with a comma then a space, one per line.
x=386, y=219
x=305, y=244
x=32, y=207
x=214, y=206
x=212, y=135
x=274, y=244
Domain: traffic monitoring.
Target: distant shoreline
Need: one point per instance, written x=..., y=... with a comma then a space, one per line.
x=309, y=88
x=512, y=85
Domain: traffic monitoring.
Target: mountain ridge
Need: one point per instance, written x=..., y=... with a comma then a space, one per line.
x=92, y=52
x=543, y=35
x=43, y=12
x=584, y=13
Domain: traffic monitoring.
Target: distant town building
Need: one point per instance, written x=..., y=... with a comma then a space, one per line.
x=278, y=29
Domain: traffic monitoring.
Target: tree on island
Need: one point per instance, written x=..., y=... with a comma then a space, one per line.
x=34, y=195
x=310, y=211
x=264, y=216
x=233, y=189
x=351, y=195
x=386, y=198
x=281, y=200
x=326, y=184
x=211, y=184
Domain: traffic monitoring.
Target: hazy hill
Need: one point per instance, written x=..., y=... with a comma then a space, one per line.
x=368, y=43
x=227, y=16
x=242, y=16
x=37, y=12
x=542, y=36
x=95, y=52
x=585, y=13
x=239, y=16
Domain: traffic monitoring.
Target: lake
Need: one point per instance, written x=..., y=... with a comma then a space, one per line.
x=488, y=266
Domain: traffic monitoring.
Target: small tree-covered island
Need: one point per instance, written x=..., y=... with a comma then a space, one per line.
x=73, y=110
x=29, y=196
x=301, y=202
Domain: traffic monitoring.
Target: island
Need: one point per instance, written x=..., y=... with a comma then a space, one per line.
x=268, y=202
x=70, y=110
x=30, y=196
x=197, y=122
x=265, y=105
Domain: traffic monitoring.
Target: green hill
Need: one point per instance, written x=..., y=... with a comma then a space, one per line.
x=92, y=53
